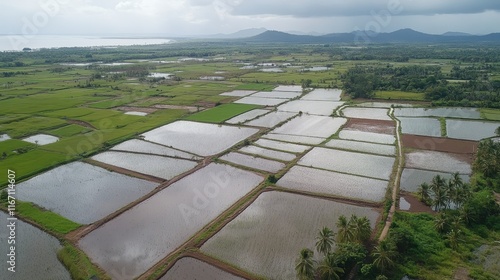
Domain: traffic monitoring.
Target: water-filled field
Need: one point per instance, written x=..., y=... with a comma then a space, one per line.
x=385, y=150
x=158, y=166
x=295, y=138
x=421, y=126
x=254, y=150
x=277, y=94
x=323, y=95
x=462, y=113
x=366, y=113
x=41, y=139
x=313, y=126
x=332, y=183
x=432, y=160
x=248, y=116
x=367, y=136
x=289, y=88
x=294, y=148
x=260, y=101
x=271, y=120
x=199, y=138
x=238, y=93
x=192, y=269
x=82, y=192
x=254, y=162
x=248, y=243
x=411, y=179
x=349, y=162
x=131, y=243
x=36, y=253
x=145, y=147
x=471, y=130
x=324, y=108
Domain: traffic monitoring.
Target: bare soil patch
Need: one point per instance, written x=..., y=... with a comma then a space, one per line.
x=464, y=147
x=416, y=206
x=189, y=108
x=376, y=126
x=81, y=123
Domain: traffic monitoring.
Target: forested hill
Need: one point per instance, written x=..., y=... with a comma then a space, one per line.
x=399, y=36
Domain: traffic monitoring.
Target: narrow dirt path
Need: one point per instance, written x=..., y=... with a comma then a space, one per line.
x=395, y=187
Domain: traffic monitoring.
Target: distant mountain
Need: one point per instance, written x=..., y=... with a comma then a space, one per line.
x=239, y=34
x=400, y=36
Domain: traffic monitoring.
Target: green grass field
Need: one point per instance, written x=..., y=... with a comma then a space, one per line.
x=68, y=130
x=490, y=114
x=47, y=219
x=221, y=113
x=401, y=95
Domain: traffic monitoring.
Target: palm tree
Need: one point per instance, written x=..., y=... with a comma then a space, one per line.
x=454, y=238
x=424, y=193
x=440, y=199
x=441, y=223
x=305, y=265
x=383, y=255
x=360, y=228
x=329, y=269
x=324, y=241
x=344, y=233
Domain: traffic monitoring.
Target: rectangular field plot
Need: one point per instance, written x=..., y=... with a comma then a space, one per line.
x=260, y=101
x=289, y=88
x=238, y=93
x=254, y=162
x=128, y=245
x=323, y=94
x=277, y=94
x=461, y=113
x=295, y=139
x=192, y=269
x=367, y=136
x=199, y=138
x=385, y=150
x=145, y=147
x=438, y=161
x=221, y=113
x=255, y=240
x=337, y=184
x=272, y=119
x=421, y=126
x=324, y=108
x=82, y=192
x=379, y=167
x=471, y=130
x=312, y=126
x=267, y=153
x=33, y=246
x=411, y=179
x=294, y=148
x=248, y=116
x=367, y=113
x=158, y=166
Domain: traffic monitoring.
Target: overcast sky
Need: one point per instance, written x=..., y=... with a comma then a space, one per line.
x=192, y=17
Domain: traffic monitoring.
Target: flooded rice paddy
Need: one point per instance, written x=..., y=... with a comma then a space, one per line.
x=323, y=95
x=145, y=147
x=250, y=115
x=323, y=108
x=199, y=138
x=288, y=88
x=332, y=183
x=260, y=101
x=411, y=179
x=312, y=126
x=471, y=130
x=272, y=119
x=267, y=153
x=248, y=243
x=294, y=139
x=41, y=139
x=373, y=166
x=128, y=245
x=158, y=166
x=385, y=150
x=238, y=93
x=438, y=161
x=36, y=254
x=294, y=148
x=462, y=113
x=254, y=162
x=367, y=113
x=367, y=136
x=74, y=189
x=192, y=269
x=421, y=126
x=277, y=94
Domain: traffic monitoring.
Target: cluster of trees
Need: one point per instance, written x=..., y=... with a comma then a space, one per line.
x=488, y=159
x=443, y=194
x=351, y=250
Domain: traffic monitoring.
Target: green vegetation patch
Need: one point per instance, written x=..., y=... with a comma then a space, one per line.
x=221, y=113
x=69, y=130
x=49, y=220
x=256, y=87
x=78, y=264
x=9, y=146
x=490, y=114
x=401, y=95
x=30, y=126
